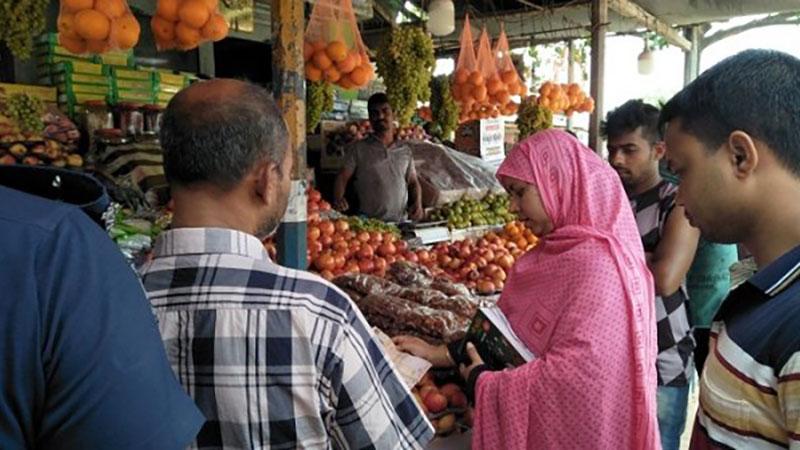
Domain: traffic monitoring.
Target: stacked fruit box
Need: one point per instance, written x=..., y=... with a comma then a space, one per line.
x=49, y=54
x=132, y=86
x=79, y=82
x=167, y=84
x=119, y=58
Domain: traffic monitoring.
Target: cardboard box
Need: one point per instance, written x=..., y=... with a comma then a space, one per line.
x=483, y=138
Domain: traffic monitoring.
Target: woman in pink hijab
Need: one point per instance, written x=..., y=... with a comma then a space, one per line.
x=582, y=301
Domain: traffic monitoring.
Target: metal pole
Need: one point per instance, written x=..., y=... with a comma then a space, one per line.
x=691, y=65
x=289, y=89
x=599, y=26
x=570, y=73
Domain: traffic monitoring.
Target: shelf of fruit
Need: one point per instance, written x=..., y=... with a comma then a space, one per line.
x=467, y=212
x=34, y=135
x=343, y=245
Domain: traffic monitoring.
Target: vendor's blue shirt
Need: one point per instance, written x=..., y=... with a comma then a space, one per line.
x=81, y=361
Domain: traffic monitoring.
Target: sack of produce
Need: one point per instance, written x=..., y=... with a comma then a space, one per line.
x=467, y=78
x=97, y=26
x=333, y=49
x=185, y=24
x=507, y=81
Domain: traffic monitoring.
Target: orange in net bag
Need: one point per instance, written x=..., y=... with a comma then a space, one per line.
x=487, y=94
x=96, y=26
x=333, y=50
x=185, y=24
x=508, y=82
x=466, y=76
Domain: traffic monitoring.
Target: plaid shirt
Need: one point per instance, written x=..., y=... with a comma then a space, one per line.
x=274, y=357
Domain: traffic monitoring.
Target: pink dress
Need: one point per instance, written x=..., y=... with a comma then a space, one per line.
x=583, y=302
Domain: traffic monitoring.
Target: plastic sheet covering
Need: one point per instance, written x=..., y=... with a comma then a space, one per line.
x=447, y=175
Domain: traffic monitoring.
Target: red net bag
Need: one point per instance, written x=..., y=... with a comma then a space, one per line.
x=333, y=49
x=487, y=92
x=185, y=24
x=508, y=82
x=466, y=71
x=97, y=26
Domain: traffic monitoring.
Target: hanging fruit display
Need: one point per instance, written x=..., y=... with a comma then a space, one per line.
x=97, y=27
x=333, y=50
x=533, y=117
x=564, y=98
x=319, y=100
x=405, y=62
x=444, y=110
x=185, y=24
x=20, y=22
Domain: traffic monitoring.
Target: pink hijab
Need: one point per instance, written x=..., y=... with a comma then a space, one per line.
x=583, y=302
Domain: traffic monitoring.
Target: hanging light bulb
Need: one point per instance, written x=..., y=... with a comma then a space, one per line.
x=441, y=17
x=646, y=61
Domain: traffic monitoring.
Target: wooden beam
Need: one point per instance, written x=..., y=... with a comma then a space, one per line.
x=628, y=8
x=599, y=27
x=289, y=90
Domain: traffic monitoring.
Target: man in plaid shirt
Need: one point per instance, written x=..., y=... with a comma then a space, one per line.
x=274, y=357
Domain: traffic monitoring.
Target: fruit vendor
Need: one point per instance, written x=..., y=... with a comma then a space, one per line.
x=732, y=137
x=634, y=151
x=385, y=177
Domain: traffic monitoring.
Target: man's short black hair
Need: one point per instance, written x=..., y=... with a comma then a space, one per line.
x=629, y=117
x=377, y=100
x=755, y=91
x=219, y=141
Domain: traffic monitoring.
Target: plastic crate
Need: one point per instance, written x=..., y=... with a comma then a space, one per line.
x=132, y=85
x=80, y=78
x=119, y=58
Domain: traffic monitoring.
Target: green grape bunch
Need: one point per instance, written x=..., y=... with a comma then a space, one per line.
x=405, y=62
x=20, y=22
x=26, y=111
x=319, y=100
x=444, y=108
x=532, y=118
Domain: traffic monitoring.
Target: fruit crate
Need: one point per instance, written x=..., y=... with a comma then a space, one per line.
x=118, y=58
x=120, y=84
x=132, y=96
x=130, y=74
x=80, y=78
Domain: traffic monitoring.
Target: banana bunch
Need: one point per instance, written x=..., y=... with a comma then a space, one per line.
x=533, y=118
x=405, y=62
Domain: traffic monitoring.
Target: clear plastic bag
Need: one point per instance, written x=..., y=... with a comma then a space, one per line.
x=447, y=175
x=97, y=26
x=185, y=24
x=333, y=49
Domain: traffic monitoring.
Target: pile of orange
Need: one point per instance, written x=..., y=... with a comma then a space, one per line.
x=481, y=98
x=185, y=24
x=336, y=64
x=97, y=26
x=564, y=98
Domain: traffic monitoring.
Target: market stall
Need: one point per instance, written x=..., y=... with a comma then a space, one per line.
x=96, y=107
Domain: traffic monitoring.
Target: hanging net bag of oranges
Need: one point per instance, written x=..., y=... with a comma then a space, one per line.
x=97, y=26
x=333, y=50
x=487, y=93
x=466, y=77
x=185, y=24
x=508, y=82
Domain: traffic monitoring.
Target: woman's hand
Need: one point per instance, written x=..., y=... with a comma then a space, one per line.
x=436, y=355
x=476, y=361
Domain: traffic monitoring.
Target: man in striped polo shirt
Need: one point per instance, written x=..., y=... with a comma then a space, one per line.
x=634, y=151
x=733, y=136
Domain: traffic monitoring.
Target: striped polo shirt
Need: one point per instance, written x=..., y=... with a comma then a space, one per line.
x=750, y=388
